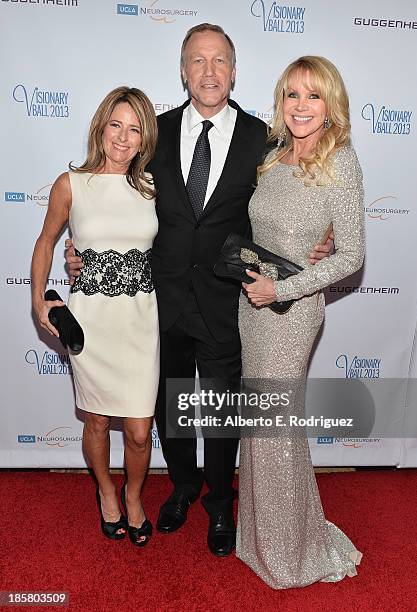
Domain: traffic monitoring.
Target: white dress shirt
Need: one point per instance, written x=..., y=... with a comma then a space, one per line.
x=220, y=136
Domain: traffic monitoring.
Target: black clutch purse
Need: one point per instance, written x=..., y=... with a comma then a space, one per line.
x=70, y=331
x=239, y=254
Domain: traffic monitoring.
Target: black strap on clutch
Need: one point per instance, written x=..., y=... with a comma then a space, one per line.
x=239, y=254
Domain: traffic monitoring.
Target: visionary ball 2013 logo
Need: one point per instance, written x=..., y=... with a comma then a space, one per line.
x=385, y=120
x=279, y=17
x=359, y=367
x=39, y=102
x=49, y=363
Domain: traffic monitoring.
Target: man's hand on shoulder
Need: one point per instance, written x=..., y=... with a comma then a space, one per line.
x=74, y=263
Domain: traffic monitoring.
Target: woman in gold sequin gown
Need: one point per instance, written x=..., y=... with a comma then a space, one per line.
x=312, y=181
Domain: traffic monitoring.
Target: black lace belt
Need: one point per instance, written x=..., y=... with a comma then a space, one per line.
x=112, y=273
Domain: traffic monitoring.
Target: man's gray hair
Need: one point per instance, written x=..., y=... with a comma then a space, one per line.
x=207, y=27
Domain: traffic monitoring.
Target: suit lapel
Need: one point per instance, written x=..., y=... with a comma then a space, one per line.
x=174, y=153
x=238, y=143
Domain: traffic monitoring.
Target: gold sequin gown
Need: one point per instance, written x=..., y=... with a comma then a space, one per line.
x=282, y=533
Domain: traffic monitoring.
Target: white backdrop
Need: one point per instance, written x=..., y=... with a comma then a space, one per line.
x=62, y=56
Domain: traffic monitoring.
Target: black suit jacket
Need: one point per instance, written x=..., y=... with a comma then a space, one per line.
x=185, y=250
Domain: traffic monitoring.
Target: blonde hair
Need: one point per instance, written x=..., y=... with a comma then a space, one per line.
x=324, y=78
x=145, y=114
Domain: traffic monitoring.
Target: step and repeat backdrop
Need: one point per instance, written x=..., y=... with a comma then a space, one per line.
x=60, y=58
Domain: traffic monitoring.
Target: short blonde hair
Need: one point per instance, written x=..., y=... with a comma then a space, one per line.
x=145, y=114
x=324, y=78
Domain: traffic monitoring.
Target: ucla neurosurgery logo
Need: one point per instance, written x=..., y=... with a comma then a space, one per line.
x=325, y=440
x=385, y=120
x=384, y=208
x=49, y=363
x=359, y=367
x=39, y=197
x=127, y=9
x=279, y=17
x=26, y=439
x=58, y=437
x=265, y=115
x=348, y=442
x=155, y=11
x=39, y=102
x=14, y=196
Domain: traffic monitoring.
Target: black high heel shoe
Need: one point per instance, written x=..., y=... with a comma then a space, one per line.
x=110, y=530
x=139, y=536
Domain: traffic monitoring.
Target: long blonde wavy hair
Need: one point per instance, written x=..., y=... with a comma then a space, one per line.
x=145, y=114
x=322, y=76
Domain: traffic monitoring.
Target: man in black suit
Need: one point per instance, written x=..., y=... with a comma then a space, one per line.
x=204, y=171
x=197, y=310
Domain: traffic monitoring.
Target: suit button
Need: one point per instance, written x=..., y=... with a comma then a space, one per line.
x=194, y=266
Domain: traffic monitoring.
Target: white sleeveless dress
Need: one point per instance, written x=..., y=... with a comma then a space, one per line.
x=113, y=227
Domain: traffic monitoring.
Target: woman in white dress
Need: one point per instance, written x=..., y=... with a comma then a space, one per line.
x=109, y=205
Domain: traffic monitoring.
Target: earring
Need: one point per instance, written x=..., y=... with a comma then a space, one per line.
x=326, y=123
x=281, y=138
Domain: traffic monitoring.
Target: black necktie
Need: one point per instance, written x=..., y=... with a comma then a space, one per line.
x=200, y=170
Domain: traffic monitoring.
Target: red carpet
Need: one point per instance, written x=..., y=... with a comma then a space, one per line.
x=50, y=541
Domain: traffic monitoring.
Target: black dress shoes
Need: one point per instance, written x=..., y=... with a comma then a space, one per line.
x=221, y=537
x=173, y=512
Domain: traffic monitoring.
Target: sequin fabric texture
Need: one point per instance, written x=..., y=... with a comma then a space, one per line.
x=282, y=533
